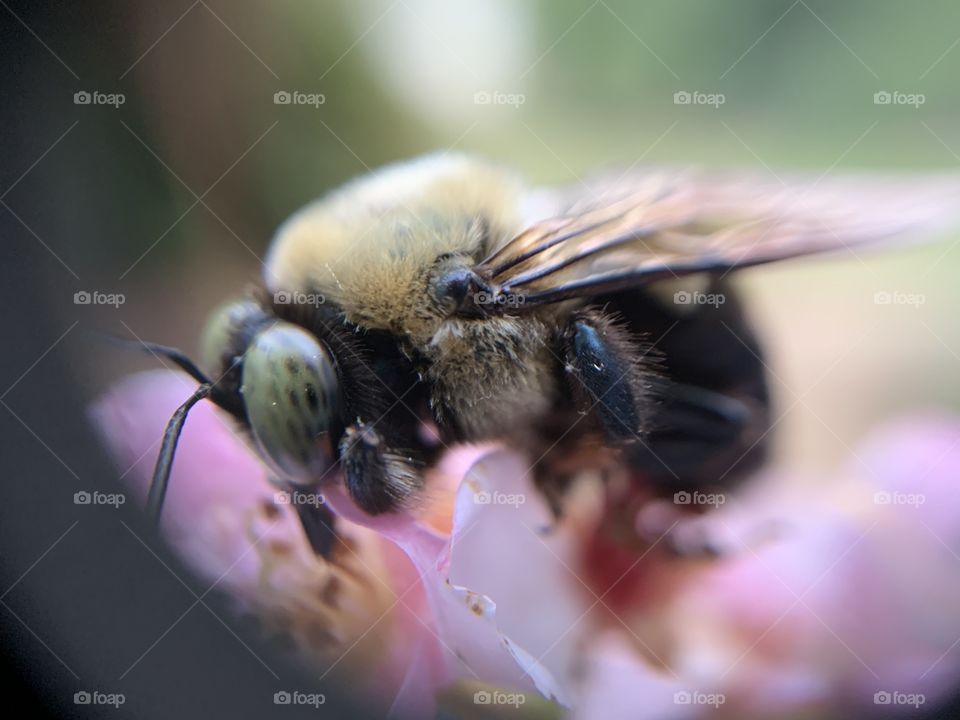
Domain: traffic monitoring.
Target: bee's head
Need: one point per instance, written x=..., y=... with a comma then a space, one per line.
x=307, y=390
x=282, y=383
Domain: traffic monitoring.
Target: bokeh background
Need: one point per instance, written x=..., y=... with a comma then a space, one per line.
x=170, y=198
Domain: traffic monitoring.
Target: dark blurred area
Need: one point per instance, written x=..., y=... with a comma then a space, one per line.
x=163, y=180
x=99, y=619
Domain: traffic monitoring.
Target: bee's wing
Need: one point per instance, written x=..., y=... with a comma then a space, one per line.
x=615, y=233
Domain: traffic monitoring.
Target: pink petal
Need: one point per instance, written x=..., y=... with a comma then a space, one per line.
x=466, y=622
x=854, y=598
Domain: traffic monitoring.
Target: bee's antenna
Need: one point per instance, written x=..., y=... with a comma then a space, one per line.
x=170, y=353
x=208, y=390
x=161, y=473
x=179, y=359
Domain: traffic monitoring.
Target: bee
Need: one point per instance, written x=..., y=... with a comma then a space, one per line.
x=443, y=300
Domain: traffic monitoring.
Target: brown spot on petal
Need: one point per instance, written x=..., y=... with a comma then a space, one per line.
x=475, y=602
x=269, y=509
x=280, y=548
x=322, y=604
x=331, y=591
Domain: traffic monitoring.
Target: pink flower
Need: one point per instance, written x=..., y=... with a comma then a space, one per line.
x=477, y=596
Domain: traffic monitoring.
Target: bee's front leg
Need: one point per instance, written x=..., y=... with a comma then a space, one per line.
x=607, y=374
x=681, y=435
x=378, y=478
x=318, y=524
x=607, y=379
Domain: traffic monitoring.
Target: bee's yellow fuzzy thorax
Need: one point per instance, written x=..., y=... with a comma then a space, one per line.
x=368, y=246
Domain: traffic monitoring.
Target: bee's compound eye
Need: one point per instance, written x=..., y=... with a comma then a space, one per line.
x=226, y=334
x=292, y=396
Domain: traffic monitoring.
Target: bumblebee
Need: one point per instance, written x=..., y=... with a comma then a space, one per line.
x=443, y=300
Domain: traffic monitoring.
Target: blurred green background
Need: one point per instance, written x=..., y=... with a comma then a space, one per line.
x=172, y=197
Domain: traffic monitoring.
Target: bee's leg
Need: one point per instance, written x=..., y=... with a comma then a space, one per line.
x=316, y=519
x=700, y=438
x=606, y=374
x=378, y=478
x=318, y=525
x=682, y=431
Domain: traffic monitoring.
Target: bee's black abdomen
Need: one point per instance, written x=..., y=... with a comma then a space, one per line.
x=710, y=413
